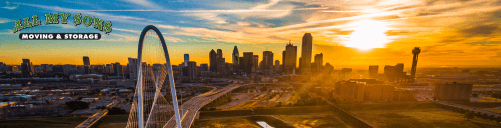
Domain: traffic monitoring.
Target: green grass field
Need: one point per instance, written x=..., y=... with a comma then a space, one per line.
x=50, y=122
x=315, y=121
x=414, y=115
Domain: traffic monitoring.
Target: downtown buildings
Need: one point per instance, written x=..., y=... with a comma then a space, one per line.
x=86, y=64
x=306, y=54
x=27, y=67
x=289, y=58
x=235, y=59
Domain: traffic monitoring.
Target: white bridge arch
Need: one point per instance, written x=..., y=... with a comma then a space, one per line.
x=151, y=79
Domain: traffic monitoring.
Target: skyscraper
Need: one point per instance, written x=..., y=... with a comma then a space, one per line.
x=282, y=67
x=118, y=70
x=213, y=61
x=247, y=63
x=415, y=52
x=319, y=61
x=109, y=69
x=255, y=63
x=290, y=58
x=186, y=59
x=373, y=71
x=192, y=70
x=221, y=66
x=27, y=67
x=306, y=54
x=267, y=60
x=399, y=70
x=277, y=66
x=389, y=72
x=241, y=62
x=132, y=68
x=219, y=53
x=328, y=67
x=204, y=66
x=394, y=73
x=13, y=68
x=86, y=62
x=300, y=67
x=235, y=59
x=235, y=56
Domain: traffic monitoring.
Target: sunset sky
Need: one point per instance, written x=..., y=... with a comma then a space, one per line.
x=347, y=32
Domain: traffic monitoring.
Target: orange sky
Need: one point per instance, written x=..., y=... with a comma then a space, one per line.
x=365, y=32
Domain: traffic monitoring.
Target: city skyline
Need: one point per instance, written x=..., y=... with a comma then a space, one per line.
x=250, y=63
x=378, y=33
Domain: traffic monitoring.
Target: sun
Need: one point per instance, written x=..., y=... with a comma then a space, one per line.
x=367, y=34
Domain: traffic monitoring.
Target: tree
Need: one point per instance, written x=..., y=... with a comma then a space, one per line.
x=116, y=111
x=76, y=105
x=469, y=115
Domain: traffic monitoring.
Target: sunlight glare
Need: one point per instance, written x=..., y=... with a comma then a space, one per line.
x=367, y=34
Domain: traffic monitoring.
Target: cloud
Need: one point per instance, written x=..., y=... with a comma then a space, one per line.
x=5, y=21
x=480, y=30
x=122, y=38
x=172, y=39
x=127, y=30
x=8, y=6
x=66, y=26
x=166, y=26
x=438, y=27
x=9, y=31
x=208, y=16
x=491, y=43
x=129, y=19
x=145, y=3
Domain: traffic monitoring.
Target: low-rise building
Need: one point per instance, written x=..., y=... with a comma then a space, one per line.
x=453, y=92
x=349, y=91
x=379, y=93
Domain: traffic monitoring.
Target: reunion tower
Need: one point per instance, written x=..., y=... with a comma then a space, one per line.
x=416, y=52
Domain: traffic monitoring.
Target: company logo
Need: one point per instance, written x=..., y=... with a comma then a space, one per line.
x=62, y=18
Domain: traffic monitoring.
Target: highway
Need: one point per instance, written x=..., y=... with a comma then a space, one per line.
x=94, y=118
x=195, y=103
